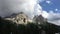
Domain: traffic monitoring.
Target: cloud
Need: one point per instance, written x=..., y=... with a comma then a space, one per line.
x=56, y=9
x=45, y=14
x=52, y=17
x=30, y=7
x=48, y=1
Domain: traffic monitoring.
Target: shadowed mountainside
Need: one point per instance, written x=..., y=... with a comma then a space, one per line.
x=8, y=27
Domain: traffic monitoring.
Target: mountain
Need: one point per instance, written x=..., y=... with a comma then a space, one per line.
x=19, y=18
x=8, y=23
x=39, y=20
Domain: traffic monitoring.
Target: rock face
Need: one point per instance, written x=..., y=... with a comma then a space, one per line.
x=39, y=19
x=19, y=18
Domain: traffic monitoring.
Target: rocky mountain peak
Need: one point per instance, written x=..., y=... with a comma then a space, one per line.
x=39, y=19
x=19, y=18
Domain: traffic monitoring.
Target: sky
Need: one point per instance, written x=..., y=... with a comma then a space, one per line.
x=51, y=9
x=53, y=5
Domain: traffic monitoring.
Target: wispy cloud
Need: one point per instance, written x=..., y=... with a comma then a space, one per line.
x=56, y=9
x=48, y=1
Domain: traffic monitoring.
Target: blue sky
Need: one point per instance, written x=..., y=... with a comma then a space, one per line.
x=53, y=5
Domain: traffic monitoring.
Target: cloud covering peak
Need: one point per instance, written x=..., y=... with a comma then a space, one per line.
x=30, y=7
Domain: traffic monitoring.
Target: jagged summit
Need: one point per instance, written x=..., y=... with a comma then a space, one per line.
x=39, y=19
x=20, y=18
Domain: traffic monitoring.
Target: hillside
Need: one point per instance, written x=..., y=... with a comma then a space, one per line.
x=15, y=26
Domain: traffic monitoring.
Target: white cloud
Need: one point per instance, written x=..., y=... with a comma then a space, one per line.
x=56, y=22
x=30, y=7
x=52, y=17
x=56, y=9
x=48, y=1
x=45, y=14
